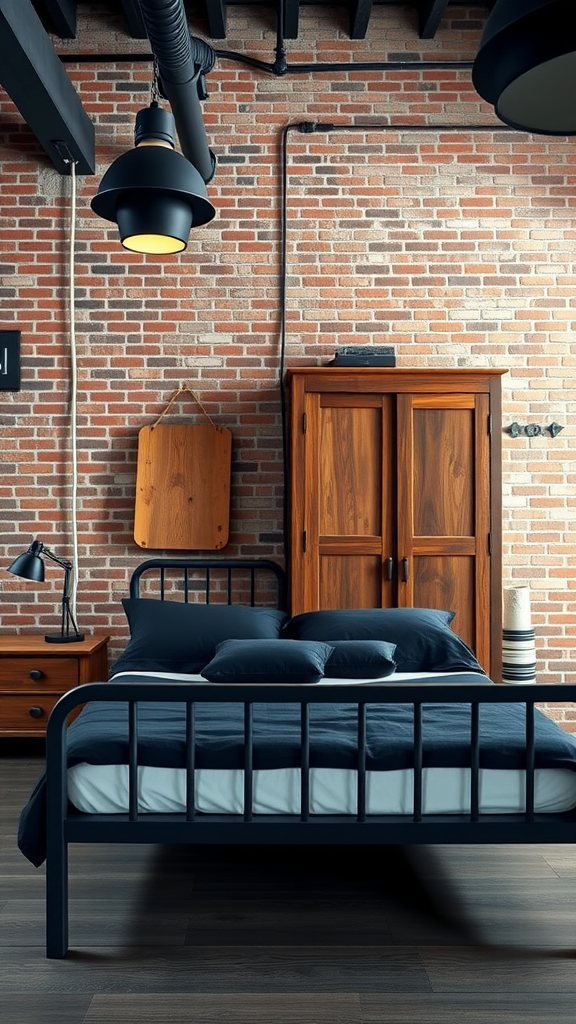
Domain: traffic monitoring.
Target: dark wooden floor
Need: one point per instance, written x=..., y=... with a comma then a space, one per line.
x=171, y=935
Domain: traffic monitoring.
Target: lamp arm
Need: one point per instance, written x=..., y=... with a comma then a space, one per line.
x=67, y=616
x=63, y=562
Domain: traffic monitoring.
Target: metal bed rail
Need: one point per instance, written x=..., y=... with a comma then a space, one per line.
x=65, y=825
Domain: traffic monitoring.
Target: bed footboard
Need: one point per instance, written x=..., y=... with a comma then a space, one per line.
x=66, y=825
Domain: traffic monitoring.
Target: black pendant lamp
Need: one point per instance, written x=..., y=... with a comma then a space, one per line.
x=153, y=193
x=526, y=65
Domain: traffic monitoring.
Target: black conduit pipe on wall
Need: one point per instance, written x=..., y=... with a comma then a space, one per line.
x=182, y=61
x=310, y=128
x=272, y=68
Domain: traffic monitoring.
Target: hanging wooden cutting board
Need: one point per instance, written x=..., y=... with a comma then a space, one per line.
x=183, y=487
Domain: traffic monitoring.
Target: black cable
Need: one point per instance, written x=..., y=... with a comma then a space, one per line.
x=309, y=127
x=282, y=360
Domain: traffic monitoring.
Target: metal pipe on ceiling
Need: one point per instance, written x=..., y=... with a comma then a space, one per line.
x=182, y=61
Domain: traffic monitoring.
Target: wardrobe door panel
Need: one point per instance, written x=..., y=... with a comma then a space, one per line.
x=345, y=499
x=443, y=472
x=350, y=581
x=448, y=583
x=349, y=471
x=444, y=510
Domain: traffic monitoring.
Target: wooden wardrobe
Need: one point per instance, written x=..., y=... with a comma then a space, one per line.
x=395, y=494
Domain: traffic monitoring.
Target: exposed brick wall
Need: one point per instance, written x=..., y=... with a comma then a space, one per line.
x=457, y=246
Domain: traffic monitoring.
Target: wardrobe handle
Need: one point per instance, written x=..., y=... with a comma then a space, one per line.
x=389, y=571
x=405, y=570
x=35, y=673
x=36, y=712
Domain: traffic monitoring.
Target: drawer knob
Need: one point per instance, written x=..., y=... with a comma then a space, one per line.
x=36, y=673
x=36, y=712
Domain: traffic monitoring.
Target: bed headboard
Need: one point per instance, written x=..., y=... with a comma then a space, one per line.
x=231, y=581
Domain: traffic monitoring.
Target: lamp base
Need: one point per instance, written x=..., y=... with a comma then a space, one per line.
x=58, y=638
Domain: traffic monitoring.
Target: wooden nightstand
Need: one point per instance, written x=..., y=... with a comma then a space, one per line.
x=34, y=674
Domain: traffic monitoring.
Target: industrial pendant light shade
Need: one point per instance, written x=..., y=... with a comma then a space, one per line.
x=526, y=65
x=153, y=193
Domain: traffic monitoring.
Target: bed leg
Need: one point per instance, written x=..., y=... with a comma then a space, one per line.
x=57, y=904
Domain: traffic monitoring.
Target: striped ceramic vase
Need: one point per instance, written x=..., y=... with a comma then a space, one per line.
x=518, y=638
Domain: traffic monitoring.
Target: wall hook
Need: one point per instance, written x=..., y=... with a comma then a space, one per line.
x=533, y=429
x=514, y=429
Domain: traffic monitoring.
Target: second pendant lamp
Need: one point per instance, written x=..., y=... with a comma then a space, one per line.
x=526, y=65
x=153, y=193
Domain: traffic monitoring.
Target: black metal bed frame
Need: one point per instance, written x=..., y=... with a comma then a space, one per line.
x=66, y=825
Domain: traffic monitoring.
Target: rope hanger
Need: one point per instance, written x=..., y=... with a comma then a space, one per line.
x=179, y=391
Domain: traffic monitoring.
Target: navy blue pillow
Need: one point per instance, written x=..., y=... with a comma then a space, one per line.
x=268, y=661
x=175, y=636
x=423, y=638
x=361, y=659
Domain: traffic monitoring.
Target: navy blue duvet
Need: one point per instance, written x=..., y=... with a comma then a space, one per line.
x=100, y=736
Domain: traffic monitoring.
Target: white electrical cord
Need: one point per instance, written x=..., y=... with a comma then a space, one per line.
x=73, y=403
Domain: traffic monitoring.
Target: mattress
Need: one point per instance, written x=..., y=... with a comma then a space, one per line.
x=103, y=788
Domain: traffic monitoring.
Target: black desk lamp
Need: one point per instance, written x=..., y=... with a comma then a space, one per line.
x=30, y=566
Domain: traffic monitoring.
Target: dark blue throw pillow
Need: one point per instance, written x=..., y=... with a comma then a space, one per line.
x=360, y=659
x=175, y=636
x=268, y=661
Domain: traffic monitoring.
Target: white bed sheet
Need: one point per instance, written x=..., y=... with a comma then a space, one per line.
x=103, y=789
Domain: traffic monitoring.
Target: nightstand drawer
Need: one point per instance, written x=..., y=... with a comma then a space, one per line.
x=26, y=715
x=54, y=674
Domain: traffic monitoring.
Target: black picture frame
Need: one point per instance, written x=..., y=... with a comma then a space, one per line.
x=9, y=360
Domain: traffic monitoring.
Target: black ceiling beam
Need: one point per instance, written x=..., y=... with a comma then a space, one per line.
x=360, y=11
x=63, y=16
x=430, y=14
x=33, y=76
x=291, y=16
x=134, y=20
x=216, y=16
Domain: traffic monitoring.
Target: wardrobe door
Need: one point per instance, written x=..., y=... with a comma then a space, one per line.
x=344, y=530
x=444, y=510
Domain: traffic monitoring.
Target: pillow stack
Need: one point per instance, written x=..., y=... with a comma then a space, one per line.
x=241, y=643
